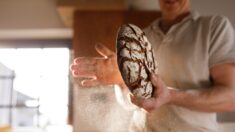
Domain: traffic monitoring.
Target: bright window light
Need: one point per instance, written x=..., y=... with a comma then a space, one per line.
x=41, y=74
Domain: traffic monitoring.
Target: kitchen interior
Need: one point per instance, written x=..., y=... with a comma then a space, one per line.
x=38, y=41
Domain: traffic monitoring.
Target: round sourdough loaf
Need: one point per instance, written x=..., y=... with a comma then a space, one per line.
x=135, y=60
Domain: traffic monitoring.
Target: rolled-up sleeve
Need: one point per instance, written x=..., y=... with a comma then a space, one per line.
x=222, y=42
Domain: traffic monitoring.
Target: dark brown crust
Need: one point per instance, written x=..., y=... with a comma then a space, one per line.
x=122, y=41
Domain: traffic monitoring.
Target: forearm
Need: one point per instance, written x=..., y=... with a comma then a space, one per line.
x=213, y=99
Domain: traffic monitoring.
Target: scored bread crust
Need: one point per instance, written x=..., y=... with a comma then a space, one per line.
x=135, y=60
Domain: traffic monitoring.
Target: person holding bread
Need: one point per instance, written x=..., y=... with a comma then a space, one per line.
x=196, y=71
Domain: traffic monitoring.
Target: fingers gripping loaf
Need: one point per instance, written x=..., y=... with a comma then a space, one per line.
x=135, y=60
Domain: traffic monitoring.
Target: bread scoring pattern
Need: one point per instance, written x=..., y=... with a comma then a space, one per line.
x=135, y=60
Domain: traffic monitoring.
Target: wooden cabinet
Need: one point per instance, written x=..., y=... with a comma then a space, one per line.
x=91, y=27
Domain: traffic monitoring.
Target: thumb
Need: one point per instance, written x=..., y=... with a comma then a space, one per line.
x=90, y=83
x=103, y=50
x=156, y=81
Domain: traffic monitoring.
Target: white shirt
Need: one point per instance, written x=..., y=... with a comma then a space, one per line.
x=184, y=56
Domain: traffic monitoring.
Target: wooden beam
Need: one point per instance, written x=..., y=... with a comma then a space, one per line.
x=66, y=8
x=87, y=2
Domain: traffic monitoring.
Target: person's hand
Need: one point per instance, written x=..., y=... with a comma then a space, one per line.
x=161, y=96
x=97, y=70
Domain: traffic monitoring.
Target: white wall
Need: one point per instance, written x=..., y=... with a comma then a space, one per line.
x=205, y=7
x=218, y=7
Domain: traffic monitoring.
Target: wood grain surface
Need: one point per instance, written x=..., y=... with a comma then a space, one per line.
x=91, y=27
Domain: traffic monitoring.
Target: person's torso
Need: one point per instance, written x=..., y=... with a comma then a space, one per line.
x=182, y=57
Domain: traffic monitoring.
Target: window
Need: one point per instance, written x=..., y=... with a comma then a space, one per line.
x=34, y=85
